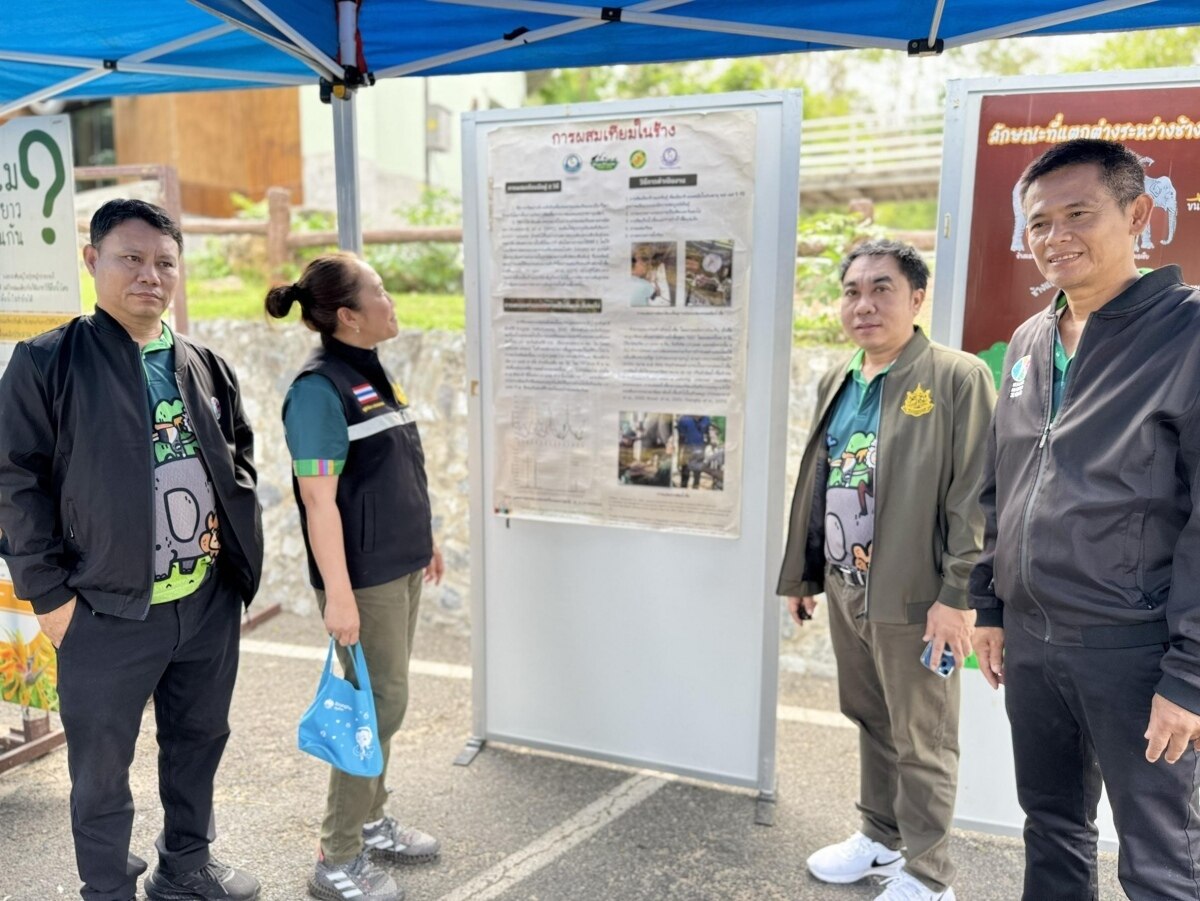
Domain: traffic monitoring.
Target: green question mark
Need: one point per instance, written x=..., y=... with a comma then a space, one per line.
x=40, y=137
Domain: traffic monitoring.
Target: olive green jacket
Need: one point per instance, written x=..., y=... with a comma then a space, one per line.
x=935, y=411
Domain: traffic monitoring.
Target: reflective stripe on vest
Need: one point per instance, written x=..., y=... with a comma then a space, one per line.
x=378, y=424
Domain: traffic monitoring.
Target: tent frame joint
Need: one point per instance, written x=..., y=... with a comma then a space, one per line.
x=610, y=13
x=344, y=88
x=110, y=65
x=922, y=47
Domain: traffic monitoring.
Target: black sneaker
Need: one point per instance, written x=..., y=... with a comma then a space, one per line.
x=212, y=882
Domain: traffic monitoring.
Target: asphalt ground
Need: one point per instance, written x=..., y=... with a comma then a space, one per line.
x=515, y=824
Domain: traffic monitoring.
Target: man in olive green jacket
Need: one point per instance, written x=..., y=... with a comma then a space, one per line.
x=886, y=521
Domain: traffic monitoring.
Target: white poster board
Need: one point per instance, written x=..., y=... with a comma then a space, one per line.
x=987, y=283
x=630, y=272
x=39, y=289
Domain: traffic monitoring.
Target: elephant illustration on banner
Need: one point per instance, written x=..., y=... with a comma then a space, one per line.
x=1160, y=189
x=1162, y=192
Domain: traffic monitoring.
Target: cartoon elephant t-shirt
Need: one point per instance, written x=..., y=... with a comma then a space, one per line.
x=186, y=533
x=852, y=443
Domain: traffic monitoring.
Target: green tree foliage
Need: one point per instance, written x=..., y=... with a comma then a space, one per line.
x=697, y=77
x=831, y=234
x=434, y=267
x=1142, y=50
x=907, y=215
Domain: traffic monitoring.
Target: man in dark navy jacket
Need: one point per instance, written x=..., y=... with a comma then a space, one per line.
x=130, y=522
x=1087, y=587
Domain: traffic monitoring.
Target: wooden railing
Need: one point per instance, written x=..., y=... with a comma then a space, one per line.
x=893, y=157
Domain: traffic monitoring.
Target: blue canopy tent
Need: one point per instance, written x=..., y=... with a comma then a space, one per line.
x=83, y=50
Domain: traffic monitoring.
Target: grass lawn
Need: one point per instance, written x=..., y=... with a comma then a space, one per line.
x=243, y=299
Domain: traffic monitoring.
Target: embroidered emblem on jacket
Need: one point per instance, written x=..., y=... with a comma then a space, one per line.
x=1019, y=372
x=917, y=402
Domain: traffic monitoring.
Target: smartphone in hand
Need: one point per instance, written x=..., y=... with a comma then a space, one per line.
x=945, y=666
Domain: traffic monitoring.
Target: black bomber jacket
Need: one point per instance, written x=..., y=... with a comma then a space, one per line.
x=76, y=485
x=1092, y=533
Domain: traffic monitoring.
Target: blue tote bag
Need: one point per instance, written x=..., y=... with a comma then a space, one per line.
x=339, y=726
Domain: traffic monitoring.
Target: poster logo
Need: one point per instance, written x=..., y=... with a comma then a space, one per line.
x=1019, y=373
x=917, y=402
x=670, y=158
x=572, y=163
x=602, y=162
x=637, y=159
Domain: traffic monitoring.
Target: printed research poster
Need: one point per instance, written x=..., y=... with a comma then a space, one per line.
x=620, y=254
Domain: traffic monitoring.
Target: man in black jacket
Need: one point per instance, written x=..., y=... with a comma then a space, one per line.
x=130, y=523
x=1087, y=587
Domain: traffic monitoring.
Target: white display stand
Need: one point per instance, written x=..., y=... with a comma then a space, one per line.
x=639, y=645
x=987, y=792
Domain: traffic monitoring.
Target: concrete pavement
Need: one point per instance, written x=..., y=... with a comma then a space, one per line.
x=514, y=824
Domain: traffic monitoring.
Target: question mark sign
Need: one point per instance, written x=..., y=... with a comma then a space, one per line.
x=40, y=137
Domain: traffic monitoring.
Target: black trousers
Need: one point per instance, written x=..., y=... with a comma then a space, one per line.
x=1078, y=717
x=185, y=655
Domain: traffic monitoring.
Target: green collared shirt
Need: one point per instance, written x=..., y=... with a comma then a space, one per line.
x=186, y=534
x=851, y=442
x=1062, y=363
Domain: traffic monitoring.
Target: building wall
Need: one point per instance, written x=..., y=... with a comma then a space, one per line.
x=220, y=142
x=391, y=138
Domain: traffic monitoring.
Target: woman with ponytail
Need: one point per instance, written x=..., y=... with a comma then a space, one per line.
x=358, y=474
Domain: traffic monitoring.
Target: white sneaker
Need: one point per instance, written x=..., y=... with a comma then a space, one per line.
x=854, y=859
x=903, y=887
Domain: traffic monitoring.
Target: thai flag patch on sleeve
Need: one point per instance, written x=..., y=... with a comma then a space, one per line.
x=367, y=397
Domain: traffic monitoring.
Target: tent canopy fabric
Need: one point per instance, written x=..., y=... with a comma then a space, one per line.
x=83, y=50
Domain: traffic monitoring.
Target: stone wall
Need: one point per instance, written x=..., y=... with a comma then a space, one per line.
x=432, y=367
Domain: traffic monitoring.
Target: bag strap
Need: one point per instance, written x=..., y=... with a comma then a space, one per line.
x=360, y=668
x=327, y=672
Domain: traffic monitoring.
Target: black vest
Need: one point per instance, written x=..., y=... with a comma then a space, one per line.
x=382, y=492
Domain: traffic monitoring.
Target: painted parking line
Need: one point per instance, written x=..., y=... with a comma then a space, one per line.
x=308, y=652
x=558, y=841
x=813, y=717
x=807, y=715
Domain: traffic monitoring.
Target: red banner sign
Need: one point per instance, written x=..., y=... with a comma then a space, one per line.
x=1162, y=126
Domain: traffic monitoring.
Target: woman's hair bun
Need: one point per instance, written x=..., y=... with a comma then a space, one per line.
x=280, y=299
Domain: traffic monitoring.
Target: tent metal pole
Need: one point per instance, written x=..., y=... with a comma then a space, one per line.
x=314, y=53
x=135, y=62
x=52, y=90
x=49, y=59
x=263, y=78
x=345, y=167
x=718, y=26
x=1026, y=26
x=418, y=66
x=936, y=23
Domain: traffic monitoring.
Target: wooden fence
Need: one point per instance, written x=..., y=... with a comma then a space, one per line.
x=884, y=157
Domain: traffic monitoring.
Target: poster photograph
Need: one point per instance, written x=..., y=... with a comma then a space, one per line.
x=665, y=450
x=619, y=293
x=1161, y=125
